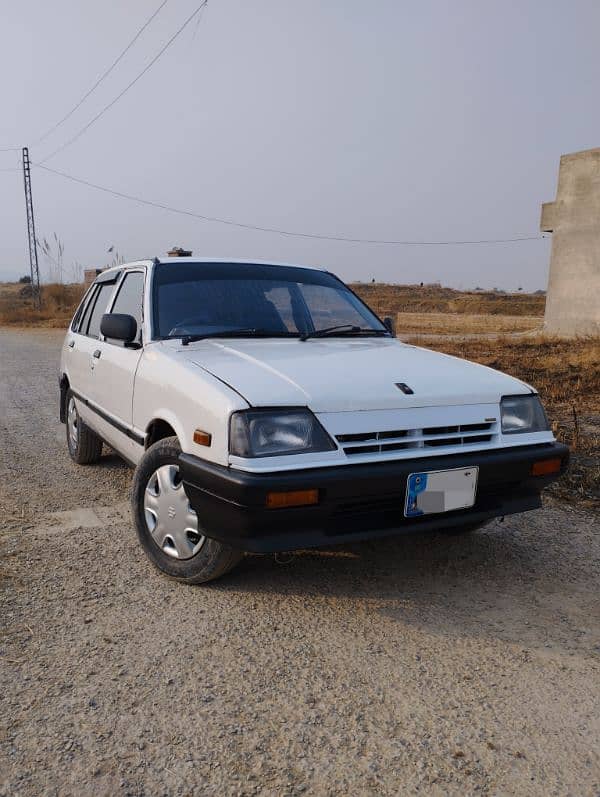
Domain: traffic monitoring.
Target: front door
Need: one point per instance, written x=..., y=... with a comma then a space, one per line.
x=115, y=367
x=82, y=343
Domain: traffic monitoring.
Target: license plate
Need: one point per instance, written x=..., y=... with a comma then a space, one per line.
x=440, y=491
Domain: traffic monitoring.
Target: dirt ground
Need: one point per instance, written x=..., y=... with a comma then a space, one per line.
x=411, y=665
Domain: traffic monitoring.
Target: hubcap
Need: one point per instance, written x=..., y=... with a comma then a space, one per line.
x=169, y=517
x=72, y=422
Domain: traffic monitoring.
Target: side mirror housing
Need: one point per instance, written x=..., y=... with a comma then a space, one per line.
x=388, y=324
x=119, y=326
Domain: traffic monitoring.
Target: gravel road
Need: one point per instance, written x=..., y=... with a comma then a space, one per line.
x=420, y=664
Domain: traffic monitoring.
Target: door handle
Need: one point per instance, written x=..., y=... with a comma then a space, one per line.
x=96, y=354
x=71, y=344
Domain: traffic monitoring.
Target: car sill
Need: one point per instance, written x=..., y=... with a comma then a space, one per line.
x=133, y=435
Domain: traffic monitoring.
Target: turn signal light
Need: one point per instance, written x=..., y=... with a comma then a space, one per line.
x=292, y=498
x=545, y=467
x=202, y=438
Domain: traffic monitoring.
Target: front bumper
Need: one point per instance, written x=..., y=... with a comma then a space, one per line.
x=355, y=501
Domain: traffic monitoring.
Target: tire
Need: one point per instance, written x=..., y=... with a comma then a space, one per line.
x=85, y=447
x=167, y=527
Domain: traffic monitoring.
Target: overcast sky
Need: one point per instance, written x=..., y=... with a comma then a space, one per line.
x=430, y=120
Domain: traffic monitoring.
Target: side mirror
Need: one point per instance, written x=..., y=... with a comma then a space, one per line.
x=388, y=324
x=119, y=326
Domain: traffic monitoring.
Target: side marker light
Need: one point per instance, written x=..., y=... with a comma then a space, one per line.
x=545, y=467
x=292, y=498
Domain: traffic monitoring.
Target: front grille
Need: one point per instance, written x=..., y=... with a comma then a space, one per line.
x=380, y=442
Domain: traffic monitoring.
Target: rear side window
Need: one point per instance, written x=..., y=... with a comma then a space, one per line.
x=100, y=304
x=129, y=298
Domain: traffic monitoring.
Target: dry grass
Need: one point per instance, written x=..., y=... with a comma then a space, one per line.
x=567, y=375
x=388, y=300
x=58, y=305
x=464, y=323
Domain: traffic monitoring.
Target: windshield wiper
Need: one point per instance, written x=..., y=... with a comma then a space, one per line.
x=342, y=329
x=231, y=333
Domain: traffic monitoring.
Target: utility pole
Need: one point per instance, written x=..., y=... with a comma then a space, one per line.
x=33, y=255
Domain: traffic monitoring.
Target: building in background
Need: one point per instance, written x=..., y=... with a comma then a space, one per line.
x=90, y=274
x=573, y=300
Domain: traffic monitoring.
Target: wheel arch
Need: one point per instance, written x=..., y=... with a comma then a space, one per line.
x=161, y=427
x=64, y=385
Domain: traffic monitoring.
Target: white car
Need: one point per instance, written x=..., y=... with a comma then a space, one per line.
x=266, y=408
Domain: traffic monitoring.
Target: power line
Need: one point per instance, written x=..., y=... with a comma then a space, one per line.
x=102, y=77
x=289, y=233
x=129, y=85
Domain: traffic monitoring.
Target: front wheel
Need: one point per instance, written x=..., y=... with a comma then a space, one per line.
x=167, y=527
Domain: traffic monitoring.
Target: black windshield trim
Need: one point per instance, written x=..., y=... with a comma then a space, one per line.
x=181, y=272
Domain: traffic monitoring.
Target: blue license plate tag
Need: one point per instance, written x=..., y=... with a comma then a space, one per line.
x=439, y=491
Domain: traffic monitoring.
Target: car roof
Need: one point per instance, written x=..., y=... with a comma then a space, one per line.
x=112, y=274
x=237, y=261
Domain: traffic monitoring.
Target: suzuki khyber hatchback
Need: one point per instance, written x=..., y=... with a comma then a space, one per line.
x=265, y=408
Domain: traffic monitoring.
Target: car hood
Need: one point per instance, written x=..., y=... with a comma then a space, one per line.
x=337, y=375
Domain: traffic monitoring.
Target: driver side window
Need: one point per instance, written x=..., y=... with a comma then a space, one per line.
x=130, y=298
x=90, y=323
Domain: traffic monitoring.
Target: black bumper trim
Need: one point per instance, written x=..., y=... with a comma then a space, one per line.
x=355, y=501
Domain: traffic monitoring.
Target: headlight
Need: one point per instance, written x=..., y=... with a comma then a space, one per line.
x=522, y=414
x=270, y=433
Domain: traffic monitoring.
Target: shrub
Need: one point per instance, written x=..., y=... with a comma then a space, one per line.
x=58, y=306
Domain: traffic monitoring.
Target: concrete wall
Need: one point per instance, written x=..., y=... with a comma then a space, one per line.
x=573, y=300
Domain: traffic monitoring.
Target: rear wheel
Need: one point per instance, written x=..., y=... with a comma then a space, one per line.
x=85, y=447
x=168, y=528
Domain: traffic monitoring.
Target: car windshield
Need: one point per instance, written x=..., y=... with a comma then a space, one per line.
x=203, y=299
